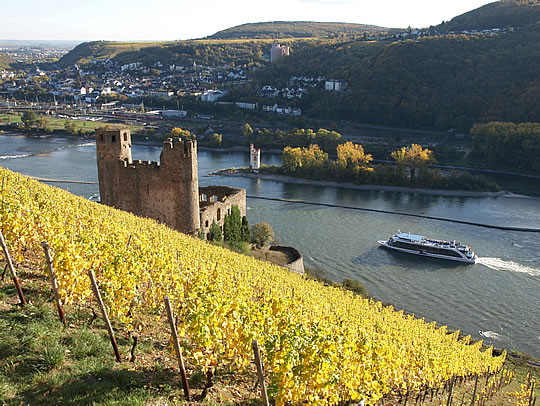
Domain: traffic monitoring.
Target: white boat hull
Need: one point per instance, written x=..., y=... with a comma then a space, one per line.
x=385, y=244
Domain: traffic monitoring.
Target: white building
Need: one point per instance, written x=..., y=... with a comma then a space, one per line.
x=336, y=85
x=254, y=158
x=213, y=95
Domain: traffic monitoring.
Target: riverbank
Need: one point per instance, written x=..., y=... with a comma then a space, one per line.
x=353, y=186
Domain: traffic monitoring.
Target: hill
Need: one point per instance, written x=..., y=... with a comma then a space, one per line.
x=6, y=61
x=295, y=29
x=430, y=82
x=203, y=52
x=86, y=51
x=500, y=14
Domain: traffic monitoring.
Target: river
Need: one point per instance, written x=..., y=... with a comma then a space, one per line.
x=499, y=295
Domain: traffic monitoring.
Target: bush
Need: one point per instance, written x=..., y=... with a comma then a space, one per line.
x=355, y=286
x=215, y=232
x=262, y=234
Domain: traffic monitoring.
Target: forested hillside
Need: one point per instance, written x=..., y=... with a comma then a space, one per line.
x=436, y=82
x=202, y=52
x=295, y=29
x=500, y=14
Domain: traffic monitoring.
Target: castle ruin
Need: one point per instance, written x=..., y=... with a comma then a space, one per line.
x=167, y=191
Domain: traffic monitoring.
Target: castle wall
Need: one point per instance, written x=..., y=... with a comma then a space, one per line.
x=216, y=201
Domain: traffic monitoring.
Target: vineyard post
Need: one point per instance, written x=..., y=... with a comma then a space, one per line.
x=105, y=317
x=177, y=347
x=54, y=283
x=450, y=389
x=474, y=392
x=12, y=270
x=532, y=392
x=260, y=371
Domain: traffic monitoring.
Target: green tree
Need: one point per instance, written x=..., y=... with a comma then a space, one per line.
x=245, y=231
x=29, y=119
x=215, y=232
x=232, y=226
x=262, y=234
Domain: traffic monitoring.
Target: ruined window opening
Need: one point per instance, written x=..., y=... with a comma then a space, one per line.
x=113, y=138
x=229, y=211
x=214, y=198
x=206, y=223
x=125, y=136
x=219, y=214
x=101, y=138
x=208, y=236
x=203, y=197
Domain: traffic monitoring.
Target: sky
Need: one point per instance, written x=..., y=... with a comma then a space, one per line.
x=122, y=20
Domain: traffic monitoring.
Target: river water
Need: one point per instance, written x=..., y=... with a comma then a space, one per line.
x=499, y=295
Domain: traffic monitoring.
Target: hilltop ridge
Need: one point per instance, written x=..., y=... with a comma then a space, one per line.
x=295, y=29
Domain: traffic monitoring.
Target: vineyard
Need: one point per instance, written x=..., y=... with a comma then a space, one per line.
x=319, y=344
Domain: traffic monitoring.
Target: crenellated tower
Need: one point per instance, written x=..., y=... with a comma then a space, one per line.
x=112, y=145
x=178, y=162
x=167, y=191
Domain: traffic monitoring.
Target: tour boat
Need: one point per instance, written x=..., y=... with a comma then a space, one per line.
x=427, y=247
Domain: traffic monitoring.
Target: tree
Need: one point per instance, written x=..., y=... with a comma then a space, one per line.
x=413, y=157
x=70, y=127
x=262, y=234
x=245, y=231
x=215, y=232
x=177, y=132
x=232, y=225
x=247, y=131
x=216, y=140
x=29, y=119
x=351, y=155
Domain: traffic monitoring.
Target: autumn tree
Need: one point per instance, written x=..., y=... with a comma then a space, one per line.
x=247, y=131
x=414, y=157
x=351, y=155
x=177, y=132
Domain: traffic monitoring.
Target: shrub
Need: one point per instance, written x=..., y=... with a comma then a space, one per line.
x=262, y=234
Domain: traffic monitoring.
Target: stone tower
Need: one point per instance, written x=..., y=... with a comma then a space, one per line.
x=180, y=178
x=167, y=191
x=112, y=145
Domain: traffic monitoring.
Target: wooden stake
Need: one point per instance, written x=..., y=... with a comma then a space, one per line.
x=532, y=393
x=105, y=317
x=12, y=270
x=174, y=332
x=474, y=392
x=54, y=283
x=450, y=388
x=260, y=371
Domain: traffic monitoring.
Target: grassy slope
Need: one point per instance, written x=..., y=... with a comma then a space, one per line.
x=5, y=61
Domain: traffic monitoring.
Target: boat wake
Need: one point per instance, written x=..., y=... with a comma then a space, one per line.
x=499, y=264
x=2, y=157
x=48, y=151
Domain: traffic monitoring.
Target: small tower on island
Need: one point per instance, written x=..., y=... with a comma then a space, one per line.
x=254, y=158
